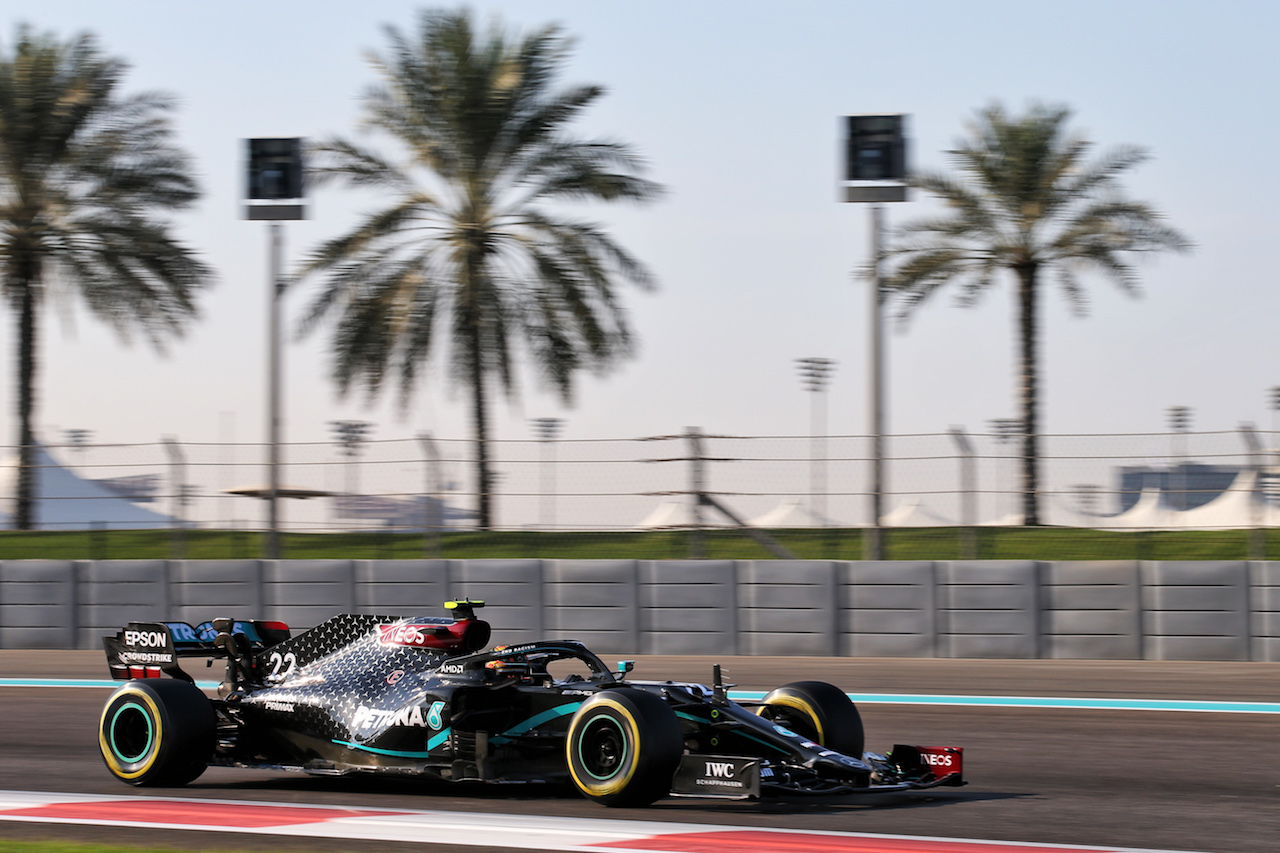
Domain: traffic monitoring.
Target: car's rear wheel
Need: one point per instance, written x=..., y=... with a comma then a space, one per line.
x=157, y=733
x=623, y=747
x=819, y=711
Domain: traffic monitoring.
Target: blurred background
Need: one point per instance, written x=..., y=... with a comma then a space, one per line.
x=736, y=110
x=949, y=495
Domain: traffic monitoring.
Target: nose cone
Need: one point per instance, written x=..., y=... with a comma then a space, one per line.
x=851, y=771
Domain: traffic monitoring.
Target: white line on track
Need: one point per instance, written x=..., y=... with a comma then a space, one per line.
x=527, y=832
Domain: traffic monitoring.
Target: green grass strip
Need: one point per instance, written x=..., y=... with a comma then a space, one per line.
x=987, y=543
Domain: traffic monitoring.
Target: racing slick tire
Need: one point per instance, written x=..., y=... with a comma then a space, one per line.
x=819, y=711
x=157, y=733
x=623, y=747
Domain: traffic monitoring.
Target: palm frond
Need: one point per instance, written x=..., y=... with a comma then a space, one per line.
x=1026, y=201
x=336, y=158
x=378, y=233
x=475, y=269
x=83, y=173
x=603, y=171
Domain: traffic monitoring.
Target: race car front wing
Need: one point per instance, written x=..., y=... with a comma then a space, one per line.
x=905, y=768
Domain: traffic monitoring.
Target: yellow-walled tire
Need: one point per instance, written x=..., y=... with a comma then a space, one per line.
x=623, y=747
x=819, y=711
x=157, y=733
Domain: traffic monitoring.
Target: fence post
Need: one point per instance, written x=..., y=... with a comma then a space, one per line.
x=177, y=477
x=968, y=495
x=432, y=507
x=1257, y=533
x=697, y=488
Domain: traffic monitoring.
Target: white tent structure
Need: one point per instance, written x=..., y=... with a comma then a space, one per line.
x=913, y=513
x=1054, y=512
x=1240, y=506
x=66, y=501
x=789, y=514
x=1151, y=512
x=1012, y=519
x=669, y=514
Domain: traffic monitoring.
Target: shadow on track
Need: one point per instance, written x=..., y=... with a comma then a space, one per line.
x=430, y=793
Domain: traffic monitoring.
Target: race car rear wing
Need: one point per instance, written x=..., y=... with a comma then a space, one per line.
x=152, y=649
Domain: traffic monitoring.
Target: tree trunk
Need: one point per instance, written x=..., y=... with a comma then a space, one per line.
x=473, y=320
x=25, y=503
x=480, y=427
x=1029, y=382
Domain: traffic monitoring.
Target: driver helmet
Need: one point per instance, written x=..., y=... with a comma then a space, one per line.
x=516, y=666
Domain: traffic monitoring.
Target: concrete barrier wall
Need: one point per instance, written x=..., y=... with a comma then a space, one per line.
x=402, y=586
x=1196, y=611
x=518, y=584
x=38, y=605
x=887, y=610
x=597, y=602
x=688, y=607
x=988, y=609
x=1091, y=611
x=112, y=593
x=306, y=592
x=998, y=609
x=788, y=608
x=208, y=589
x=1264, y=608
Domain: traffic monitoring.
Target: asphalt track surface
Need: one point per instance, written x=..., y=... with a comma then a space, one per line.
x=1169, y=780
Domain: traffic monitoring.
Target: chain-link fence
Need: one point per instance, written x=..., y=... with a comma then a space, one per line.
x=1180, y=481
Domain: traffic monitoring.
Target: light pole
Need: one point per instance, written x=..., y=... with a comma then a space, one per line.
x=350, y=435
x=815, y=375
x=433, y=506
x=79, y=439
x=275, y=370
x=1179, y=424
x=875, y=173
x=1087, y=494
x=274, y=193
x=1274, y=399
x=548, y=429
x=1268, y=476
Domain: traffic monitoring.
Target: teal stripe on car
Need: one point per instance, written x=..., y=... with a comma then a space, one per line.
x=435, y=741
x=535, y=721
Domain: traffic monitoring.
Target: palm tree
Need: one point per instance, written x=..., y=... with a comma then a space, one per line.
x=83, y=174
x=474, y=241
x=1030, y=204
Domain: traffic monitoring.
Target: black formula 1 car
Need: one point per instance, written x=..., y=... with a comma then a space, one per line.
x=419, y=696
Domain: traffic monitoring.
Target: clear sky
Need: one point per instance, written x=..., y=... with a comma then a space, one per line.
x=736, y=106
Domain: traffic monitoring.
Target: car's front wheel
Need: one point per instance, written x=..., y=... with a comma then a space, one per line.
x=819, y=711
x=623, y=747
x=157, y=733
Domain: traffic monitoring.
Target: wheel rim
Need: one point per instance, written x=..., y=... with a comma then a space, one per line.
x=603, y=748
x=131, y=733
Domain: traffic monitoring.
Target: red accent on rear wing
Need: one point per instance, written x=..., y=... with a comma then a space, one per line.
x=459, y=637
x=143, y=650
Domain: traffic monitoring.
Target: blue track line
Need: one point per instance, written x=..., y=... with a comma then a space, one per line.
x=1074, y=703
x=81, y=682
x=1070, y=703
